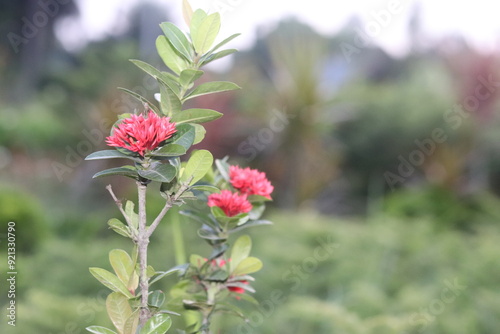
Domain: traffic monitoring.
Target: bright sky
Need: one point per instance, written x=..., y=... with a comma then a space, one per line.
x=477, y=20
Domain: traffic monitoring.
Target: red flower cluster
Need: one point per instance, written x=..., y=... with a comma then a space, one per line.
x=250, y=181
x=140, y=134
x=231, y=203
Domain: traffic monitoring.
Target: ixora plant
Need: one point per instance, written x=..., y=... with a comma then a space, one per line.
x=156, y=140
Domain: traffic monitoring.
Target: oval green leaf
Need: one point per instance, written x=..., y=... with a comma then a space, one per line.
x=211, y=87
x=205, y=33
x=170, y=57
x=170, y=150
x=189, y=76
x=132, y=323
x=177, y=38
x=120, y=228
x=247, y=266
x=122, y=264
x=200, y=132
x=119, y=310
x=110, y=280
x=156, y=298
x=169, y=101
x=196, y=116
x=159, y=172
x=127, y=171
x=197, y=166
x=185, y=135
x=99, y=330
x=240, y=251
x=157, y=324
x=109, y=154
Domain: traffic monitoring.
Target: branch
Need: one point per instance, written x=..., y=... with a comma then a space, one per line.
x=120, y=206
x=169, y=203
x=143, y=241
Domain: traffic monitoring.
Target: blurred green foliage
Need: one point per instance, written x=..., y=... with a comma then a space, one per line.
x=321, y=275
x=30, y=219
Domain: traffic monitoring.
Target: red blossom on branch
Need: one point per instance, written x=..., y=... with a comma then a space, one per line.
x=140, y=134
x=231, y=203
x=250, y=181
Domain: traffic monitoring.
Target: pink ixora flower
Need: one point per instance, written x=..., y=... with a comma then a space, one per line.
x=140, y=133
x=250, y=181
x=231, y=203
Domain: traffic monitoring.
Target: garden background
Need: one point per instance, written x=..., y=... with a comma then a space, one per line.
x=386, y=165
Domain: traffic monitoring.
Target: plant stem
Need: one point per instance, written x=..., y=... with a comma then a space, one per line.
x=180, y=252
x=142, y=242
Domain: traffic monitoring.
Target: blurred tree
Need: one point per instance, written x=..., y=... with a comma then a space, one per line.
x=29, y=29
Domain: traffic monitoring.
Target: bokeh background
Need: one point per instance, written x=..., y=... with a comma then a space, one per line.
x=377, y=122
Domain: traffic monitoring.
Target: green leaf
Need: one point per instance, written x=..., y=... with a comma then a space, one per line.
x=170, y=56
x=257, y=210
x=150, y=271
x=148, y=68
x=211, y=87
x=110, y=280
x=140, y=99
x=196, y=20
x=99, y=330
x=200, y=132
x=247, y=266
x=258, y=198
x=204, y=33
x=165, y=77
x=205, y=187
x=170, y=150
x=120, y=228
x=218, y=276
x=119, y=310
x=251, y=223
x=189, y=76
x=132, y=323
x=240, y=251
x=159, y=172
x=224, y=42
x=196, y=116
x=217, y=55
x=180, y=269
x=127, y=171
x=184, y=136
x=109, y=154
x=122, y=265
x=169, y=101
x=156, y=298
x=177, y=38
x=197, y=166
x=223, y=219
x=223, y=168
x=187, y=11
x=131, y=214
x=157, y=324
